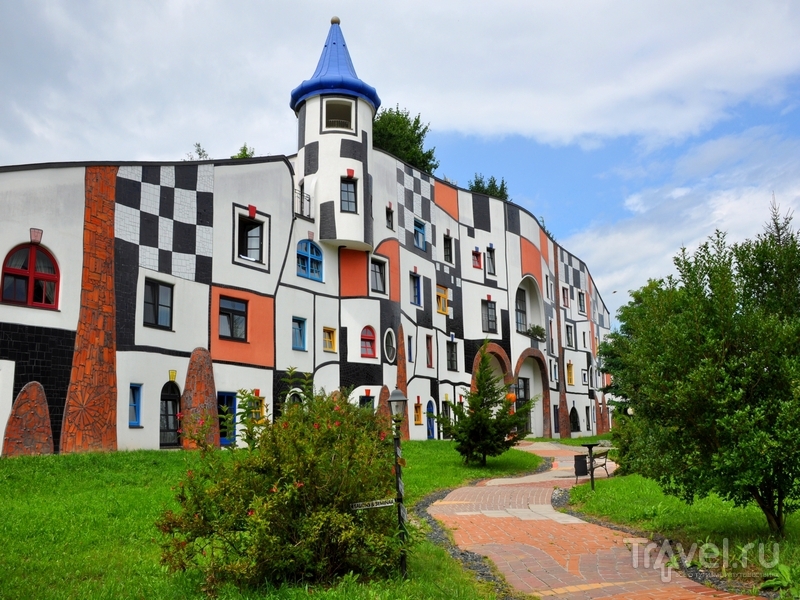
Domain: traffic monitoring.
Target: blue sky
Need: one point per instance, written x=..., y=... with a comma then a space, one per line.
x=633, y=128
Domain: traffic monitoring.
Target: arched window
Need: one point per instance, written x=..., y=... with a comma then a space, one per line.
x=368, y=342
x=30, y=277
x=309, y=260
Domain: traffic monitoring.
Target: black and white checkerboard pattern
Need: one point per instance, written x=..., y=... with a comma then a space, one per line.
x=168, y=212
x=414, y=197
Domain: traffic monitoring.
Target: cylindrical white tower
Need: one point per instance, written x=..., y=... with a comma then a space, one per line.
x=334, y=112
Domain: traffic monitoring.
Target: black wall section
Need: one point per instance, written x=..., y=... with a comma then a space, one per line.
x=327, y=221
x=126, y=271
x=40, y=354
x=301, y=127
x=390, y=319
x=480, y=212
x=353, y=374
x=512, y=218
x=312, y=159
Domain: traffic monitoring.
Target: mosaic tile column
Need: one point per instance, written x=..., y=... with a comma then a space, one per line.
x=199, y=401
x=28, y=429
x=90, y=414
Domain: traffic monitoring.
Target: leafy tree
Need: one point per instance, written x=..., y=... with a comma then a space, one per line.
x=245, y=152
x=489, y=187
x=396, y=132
x=198, y=154
x=709, y=363
x=488, y=426
x=279, y=509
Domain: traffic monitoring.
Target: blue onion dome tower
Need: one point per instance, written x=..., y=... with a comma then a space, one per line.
x=334, y=110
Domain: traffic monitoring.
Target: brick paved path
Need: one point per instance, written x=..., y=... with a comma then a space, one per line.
x=544, y=552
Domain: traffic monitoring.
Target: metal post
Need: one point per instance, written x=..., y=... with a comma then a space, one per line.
x=401, y=509
x=591, y=467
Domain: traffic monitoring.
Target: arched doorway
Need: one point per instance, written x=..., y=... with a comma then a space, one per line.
x=574, y=420
x=170, y=407
x=430, y=414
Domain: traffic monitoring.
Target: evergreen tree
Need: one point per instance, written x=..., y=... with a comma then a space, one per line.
x=490, y=187
x=486, y=425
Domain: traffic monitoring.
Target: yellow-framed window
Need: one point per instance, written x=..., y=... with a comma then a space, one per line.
x=328, y=339
x=441, y=299
x=570, y=375
x=418, y=414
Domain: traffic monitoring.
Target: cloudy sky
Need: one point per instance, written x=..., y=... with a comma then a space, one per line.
x=632, y=128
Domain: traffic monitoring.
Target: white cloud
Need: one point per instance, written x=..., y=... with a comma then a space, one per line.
x=622, y=256
x=95, y=79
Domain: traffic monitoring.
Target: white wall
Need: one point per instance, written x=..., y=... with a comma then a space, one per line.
x=6, y=393
x=53, y=200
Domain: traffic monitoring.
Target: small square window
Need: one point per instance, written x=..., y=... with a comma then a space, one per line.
x=416, y=292
x=366, y=402
x=338, y=114
x=476, y=260
x=328, y=339
x=232, y=319
x=348, y=196
x=419, y=234
x=570, y=336
x=448, y=249
x=378, y=276
x=298, y=333
x=490, y=261
x=389, y=219
x=135, y=405
x=585, y=376
x=441, y=299
x=489, y=316
x=157, y=304
x=251, y=239
x=452, y=356
x=410, y=349
x=309, y=260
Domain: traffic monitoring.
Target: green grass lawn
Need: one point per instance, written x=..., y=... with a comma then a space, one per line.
x=639, y=502
x=592, y=439
x=81, y=526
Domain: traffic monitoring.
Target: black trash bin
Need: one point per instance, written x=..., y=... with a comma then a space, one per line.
x=581, y=466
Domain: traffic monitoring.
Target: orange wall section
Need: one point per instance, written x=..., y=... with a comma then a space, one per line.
x=390, y=249
x=531, y=261
x=446, y=198
x=259, y=349
x=353, y=273
x=544, y=244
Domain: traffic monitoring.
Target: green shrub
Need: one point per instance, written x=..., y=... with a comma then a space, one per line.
x=279, y=510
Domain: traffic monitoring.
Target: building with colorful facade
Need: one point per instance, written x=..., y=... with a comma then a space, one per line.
x=130, y=288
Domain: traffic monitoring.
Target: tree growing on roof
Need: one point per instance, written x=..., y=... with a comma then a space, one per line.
x=709, y=363
x=490, y=187
x=395, y=131
x=487, y=423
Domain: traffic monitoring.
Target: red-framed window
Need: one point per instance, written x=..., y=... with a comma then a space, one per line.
x=31, y=277
x=368, y=342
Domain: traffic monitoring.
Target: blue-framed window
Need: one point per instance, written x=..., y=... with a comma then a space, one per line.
x=416, y=292
x=309, y=260
x=135, y=405
x=419, y=234
x=298, y=333
x=348, y=196
x=226, y=403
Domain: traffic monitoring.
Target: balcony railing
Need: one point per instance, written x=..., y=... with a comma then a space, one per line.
x=302, y=205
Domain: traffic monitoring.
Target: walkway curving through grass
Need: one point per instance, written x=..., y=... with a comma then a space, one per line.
x=81, y=526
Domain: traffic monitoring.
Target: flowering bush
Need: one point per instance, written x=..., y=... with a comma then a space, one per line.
x=279, y=510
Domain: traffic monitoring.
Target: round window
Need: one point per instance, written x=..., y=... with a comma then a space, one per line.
x=390, y=345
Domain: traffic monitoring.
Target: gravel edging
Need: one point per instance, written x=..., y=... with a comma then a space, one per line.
x=560, y=501
x=479, y=565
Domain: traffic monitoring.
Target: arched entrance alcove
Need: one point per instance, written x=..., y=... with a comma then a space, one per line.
x=531, y=369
